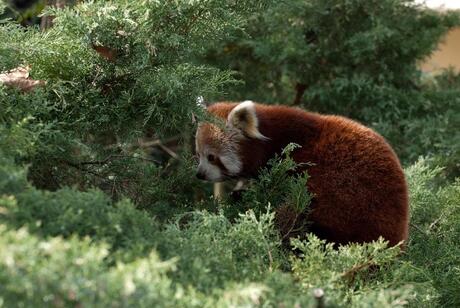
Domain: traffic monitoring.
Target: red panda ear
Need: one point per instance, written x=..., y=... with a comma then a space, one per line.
x=244, y=118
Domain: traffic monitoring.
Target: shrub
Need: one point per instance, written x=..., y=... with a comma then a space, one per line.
x=72, y=272
x=434, y=242
x=97, y=165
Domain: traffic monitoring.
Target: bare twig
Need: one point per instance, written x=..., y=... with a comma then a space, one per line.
x=292, y=226
x=190, y=24
x=355, y=269
x=435, y=222
x=145, y=144
x=418, y=228
x=298, y=229
x=79, y=167
x=156, y=142
x=113, y=156
x=270, y=259
x=169, y=151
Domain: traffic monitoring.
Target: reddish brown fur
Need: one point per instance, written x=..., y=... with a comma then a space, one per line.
x=359, y=188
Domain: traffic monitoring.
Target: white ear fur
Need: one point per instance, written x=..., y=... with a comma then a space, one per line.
x=200, y=102
x=244, y=118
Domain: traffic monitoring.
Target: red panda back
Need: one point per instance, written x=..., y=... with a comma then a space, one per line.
x=360, y=188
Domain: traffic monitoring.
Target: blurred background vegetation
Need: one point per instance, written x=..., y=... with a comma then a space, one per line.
x=99, y=204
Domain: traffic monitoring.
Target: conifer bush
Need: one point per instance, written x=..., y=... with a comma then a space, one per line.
x=99, y=205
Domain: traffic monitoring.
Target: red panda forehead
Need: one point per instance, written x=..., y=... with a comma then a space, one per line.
x=211, y=136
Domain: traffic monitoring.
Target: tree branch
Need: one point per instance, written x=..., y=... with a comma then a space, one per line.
x=300, y=90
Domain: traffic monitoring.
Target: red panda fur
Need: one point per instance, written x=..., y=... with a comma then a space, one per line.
x=359, y=188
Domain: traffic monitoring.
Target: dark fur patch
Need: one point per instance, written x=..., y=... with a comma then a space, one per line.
x=221, y=166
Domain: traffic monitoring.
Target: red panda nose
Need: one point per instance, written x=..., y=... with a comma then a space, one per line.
x=200, y=175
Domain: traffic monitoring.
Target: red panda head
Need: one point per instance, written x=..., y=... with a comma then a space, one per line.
x=219, y=149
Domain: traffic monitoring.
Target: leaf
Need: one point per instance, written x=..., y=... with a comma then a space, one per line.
x=109, y=54
x=19, y=77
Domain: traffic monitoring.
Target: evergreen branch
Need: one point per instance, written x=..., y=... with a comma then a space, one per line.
x=351, y=273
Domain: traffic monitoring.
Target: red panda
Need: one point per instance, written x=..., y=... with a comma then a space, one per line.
x=360, y=192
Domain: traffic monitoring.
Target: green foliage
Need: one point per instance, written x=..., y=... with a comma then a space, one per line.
x=213, y=256
x=97, y=165
x=216, y=261
x=92, y=107
x=241, y=251
x=435, y=242
x=353, y=42
x=280, y=187
x=12, y=178
x=349, y=273
x=152, y=81
x=278, y=184
x=73, y=272
x=68, y=212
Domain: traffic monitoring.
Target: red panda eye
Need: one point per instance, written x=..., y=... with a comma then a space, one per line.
x=211, y=158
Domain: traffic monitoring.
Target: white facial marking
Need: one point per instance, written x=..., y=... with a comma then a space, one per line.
x=231, y=162
x=211, y=172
